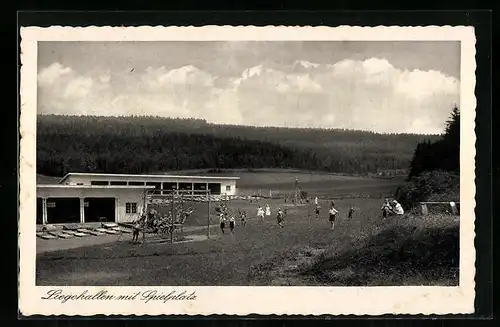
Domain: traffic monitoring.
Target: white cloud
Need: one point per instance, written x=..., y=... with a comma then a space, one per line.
x=48, y=75
x=78, y=87
x=370, y=94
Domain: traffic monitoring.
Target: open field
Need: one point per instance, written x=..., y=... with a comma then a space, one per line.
x=268, y=182
x=305, y=252
x=324, y=185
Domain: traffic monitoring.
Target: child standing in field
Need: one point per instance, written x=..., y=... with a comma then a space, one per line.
x=222, y=221
x=260, y=213
x=243, y=218
x=350, y=213
x=231, y=224
x=279, y=218
x=332, y=215
x=135, y=233
x=317, y=211
x=268, y=210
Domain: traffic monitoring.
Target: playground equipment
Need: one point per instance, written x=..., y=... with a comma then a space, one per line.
x=172, y=211
x=297, y=199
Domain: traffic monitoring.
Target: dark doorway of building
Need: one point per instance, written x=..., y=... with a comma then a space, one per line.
x=39, y=211
x=99, y=210
x=214, y=188
x=63, y=210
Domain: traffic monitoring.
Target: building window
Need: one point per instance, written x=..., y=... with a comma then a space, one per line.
x=122, y=183
x=136, y=183
x=228, y=187
x=131, y=207
x=79, y=183
x=99, y=183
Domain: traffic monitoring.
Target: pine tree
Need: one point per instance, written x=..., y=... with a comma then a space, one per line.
x=443, y=154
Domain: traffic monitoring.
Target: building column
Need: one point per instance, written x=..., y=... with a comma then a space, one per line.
x=192, y=188
x=82, y=210
x=116, y=209
x=44, y=211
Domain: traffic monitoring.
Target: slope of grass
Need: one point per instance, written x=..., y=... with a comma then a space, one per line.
x=405, y=254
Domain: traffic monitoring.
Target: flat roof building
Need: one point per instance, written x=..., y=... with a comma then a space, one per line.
x=217, y=185
x=87, y=198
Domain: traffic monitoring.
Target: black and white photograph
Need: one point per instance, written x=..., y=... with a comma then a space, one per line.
x=174, y=170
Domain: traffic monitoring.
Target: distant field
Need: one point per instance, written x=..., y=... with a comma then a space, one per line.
x=261, y=181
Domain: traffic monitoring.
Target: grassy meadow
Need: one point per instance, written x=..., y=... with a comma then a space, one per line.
x=364, y=250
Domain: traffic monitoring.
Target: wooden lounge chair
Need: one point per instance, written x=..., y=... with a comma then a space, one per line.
x=61, y=234
x=75, y=233
x=110, y=225
x=106, y=231
x=45, y=236
x=84, y=230
x=95, y=233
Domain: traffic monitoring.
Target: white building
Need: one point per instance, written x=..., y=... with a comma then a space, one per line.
x=85, y=198
x=216, y=185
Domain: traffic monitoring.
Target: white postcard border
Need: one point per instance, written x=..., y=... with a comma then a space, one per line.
x=249, y=300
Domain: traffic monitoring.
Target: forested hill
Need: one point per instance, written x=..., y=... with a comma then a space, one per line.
x=147, y=144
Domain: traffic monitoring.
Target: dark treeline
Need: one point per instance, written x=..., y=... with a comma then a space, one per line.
x=440, y=155
x=151, y=144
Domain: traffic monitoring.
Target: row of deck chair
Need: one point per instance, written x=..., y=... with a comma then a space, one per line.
x=70, y=231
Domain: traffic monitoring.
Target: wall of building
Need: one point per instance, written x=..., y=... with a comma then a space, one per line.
x=122, y=197
x=87, y=179
x=228, y=187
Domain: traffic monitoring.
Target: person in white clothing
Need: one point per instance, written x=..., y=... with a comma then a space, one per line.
x=260, y=213
x=268, y=210
x=397, y=208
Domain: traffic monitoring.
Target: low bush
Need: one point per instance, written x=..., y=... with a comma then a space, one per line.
x=429, y=186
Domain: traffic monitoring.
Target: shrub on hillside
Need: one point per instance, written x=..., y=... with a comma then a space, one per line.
x=429, y=186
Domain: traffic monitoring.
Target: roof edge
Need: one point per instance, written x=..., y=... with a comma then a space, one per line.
x=146, y=175
x=95, y=186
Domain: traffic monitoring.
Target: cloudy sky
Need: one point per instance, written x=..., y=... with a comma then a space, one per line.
x=401, y=87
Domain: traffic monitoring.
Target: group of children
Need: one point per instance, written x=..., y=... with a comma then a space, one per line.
x=389, y=207
x=280, y=214
x=332, y=212
x=232, y=221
